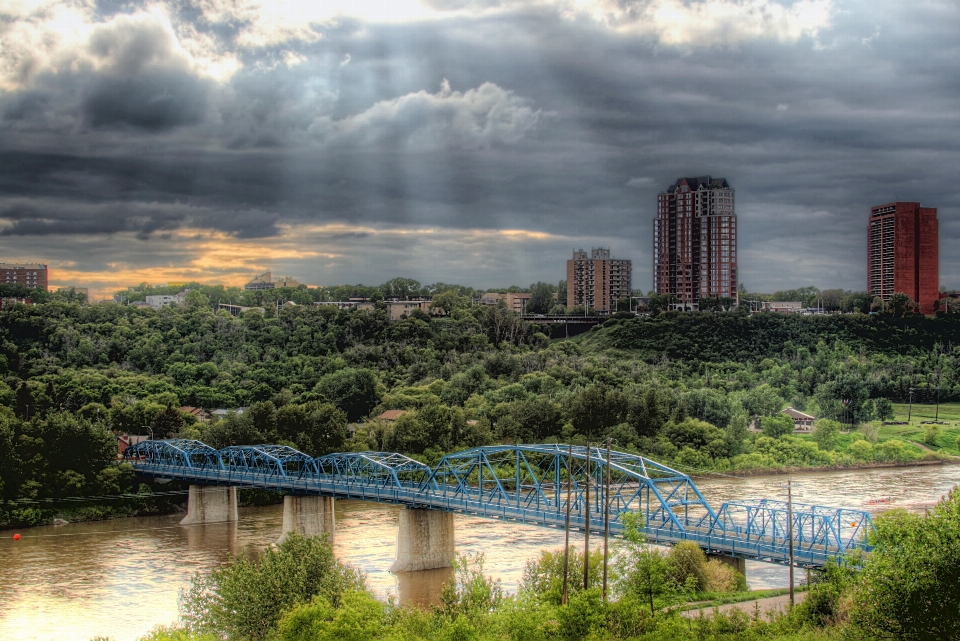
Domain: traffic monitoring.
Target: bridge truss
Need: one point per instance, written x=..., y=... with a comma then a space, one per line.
x=530, y=484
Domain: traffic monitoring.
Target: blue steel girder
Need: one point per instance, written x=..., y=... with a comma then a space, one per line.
x=534, y=477
x=376, y=469
x=816, y=527
x=174, y=453
x=268, y=461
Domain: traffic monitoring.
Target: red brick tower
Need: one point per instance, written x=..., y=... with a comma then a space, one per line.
x=903, y=253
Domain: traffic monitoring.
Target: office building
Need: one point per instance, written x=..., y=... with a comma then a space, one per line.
x=265, y=281
x=903, y=247
x=597, y=281
x=32, y=275
x=695, y=241
x=515, y=302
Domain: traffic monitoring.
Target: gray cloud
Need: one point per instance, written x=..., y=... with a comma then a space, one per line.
x=549, y=124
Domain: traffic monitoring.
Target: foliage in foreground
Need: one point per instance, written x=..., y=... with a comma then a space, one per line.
x=905, y=590
x=246, y=598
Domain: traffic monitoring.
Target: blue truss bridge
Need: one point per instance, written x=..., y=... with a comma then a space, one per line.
x=527, y=484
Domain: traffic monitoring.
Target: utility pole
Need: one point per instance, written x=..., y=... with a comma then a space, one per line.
x=606, y=523
x=910, y=407
x=566, y=529
x=586, y=529
x=790, y=536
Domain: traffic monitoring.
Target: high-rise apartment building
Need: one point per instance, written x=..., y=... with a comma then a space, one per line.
x=597, y=281
x=32, y=275
x=695, y=241
x=903, y=253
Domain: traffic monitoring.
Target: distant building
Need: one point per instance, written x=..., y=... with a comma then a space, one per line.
x=515, y=302
x=801, y=422
x=76, y=290
x=236, y=310
x=695, y=241
x=903, y=253
x=391, y=415
x=32, y=275
x=162, y=300
x=265, y=281
x=597, y=280
x=783, y=307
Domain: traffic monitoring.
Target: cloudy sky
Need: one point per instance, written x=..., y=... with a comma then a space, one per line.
x=468, y=141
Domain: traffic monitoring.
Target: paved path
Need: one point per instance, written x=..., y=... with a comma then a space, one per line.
x=770, y=604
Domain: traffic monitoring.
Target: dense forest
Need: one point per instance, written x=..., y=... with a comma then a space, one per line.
x=682, y=387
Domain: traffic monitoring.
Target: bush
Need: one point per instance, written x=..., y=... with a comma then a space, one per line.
x=359, y=617
x=931, y=435
x=908, y=587
x=776, y=426
x=245, y=599
x=861, y=450
x=825, y=434
x=543, y=578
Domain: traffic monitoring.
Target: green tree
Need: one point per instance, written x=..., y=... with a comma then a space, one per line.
x=908, y=588
x=776, y=426
x=826, y=433
x=167, y=423
x=884, y=409
x=543, y=577
x=845, y=399
x=245, y=598
x=645, y=571
x=352, y=390
x=541, y=299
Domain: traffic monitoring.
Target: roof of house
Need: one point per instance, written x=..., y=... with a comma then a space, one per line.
x=391, y=415
x=795, y=414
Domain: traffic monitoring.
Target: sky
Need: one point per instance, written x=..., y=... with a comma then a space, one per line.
x=476, y=142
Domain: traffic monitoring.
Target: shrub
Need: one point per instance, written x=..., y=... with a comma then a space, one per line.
x=543, y=578
x=825, y=434
x=723, y=578
x=931, y=434
x=245, y=599
x=687, y=561
x=776, y=426
x=861, y=450
x=359, y=617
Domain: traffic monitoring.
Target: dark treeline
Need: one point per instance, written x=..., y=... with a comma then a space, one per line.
x=679, y=387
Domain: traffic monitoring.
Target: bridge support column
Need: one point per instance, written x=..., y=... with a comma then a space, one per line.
x=210, y=504
x=424, y=540
x=307, y=516
x=738, y=564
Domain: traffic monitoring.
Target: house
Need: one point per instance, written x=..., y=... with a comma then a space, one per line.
x=127, y=440
x=201, y=414
x=801, y=422
x=391, y=415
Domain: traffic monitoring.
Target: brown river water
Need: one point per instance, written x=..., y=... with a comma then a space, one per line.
x=121, y=578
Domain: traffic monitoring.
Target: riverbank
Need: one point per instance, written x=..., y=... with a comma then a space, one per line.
x=839, y=467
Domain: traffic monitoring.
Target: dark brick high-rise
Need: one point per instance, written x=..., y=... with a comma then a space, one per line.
x=903, y=253
x=695, y=241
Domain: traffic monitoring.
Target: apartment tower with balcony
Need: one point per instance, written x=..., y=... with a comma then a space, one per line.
x=903, y=253
x=596, y=280
x=695, y=241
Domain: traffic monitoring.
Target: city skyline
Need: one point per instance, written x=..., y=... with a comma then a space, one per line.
x=214, y=141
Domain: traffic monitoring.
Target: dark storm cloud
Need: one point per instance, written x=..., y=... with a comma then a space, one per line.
x=545, y=124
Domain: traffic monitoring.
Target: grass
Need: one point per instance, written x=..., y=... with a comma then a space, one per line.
x=914, y=432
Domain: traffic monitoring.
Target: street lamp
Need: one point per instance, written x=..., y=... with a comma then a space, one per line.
x=149, y=428
x=910, y=406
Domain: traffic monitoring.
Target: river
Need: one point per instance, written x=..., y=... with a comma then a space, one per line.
x=120, y=578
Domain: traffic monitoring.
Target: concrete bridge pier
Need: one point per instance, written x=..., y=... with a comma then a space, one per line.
x=737, y=563
x=424, y=540
x=307, y=516
x=210, y=504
